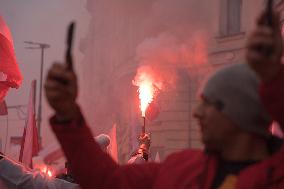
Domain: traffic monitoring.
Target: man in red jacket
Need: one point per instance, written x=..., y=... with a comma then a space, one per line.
x=239, y=150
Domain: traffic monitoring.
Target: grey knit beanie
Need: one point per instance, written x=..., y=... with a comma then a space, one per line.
x=234, y=90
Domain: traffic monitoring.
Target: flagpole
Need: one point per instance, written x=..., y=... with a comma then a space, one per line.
x=7, y=134
x=34, y=97
x=42, y=47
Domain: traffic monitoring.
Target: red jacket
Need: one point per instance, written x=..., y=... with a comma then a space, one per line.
x=94, y=169
x=188, y=169
x=272, y=94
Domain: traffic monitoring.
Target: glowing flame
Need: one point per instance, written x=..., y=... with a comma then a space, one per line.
x=49, y=173
x=46, y=171
x=146, y=95
x=147, y=87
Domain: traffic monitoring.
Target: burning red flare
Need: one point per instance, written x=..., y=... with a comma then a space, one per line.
x=49, y=173
x=146, y=95
x=147, y=87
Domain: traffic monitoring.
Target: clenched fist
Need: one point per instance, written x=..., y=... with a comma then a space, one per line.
x=265, y=47
x=61, y=91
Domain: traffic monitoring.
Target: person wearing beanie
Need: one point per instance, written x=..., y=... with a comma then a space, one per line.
x=235, y=126
x=231, y=96
x=236, y=107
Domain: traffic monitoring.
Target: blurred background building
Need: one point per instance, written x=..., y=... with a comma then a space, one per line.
x=182, y=41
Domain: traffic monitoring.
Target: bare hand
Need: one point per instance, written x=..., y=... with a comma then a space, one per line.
x=265, y=48
x=61, y=91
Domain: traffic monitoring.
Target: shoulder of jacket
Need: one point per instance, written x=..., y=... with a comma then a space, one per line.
x=187, y=155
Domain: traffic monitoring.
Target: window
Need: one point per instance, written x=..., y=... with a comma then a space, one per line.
x=230, y=17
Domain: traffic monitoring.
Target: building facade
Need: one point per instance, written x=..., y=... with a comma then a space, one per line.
x=111, y=64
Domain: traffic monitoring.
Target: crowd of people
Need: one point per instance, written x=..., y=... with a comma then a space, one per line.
x=236, y=107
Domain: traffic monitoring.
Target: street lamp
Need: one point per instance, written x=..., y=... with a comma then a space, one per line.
x=42, y=47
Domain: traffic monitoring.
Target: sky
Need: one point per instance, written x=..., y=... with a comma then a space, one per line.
x=40, y=21
x=43, y=21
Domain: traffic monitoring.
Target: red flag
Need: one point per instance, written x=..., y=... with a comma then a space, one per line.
x=157, y=158
x=10, y=75
x=30, y=142
x=3, y=108
x=113, y=143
